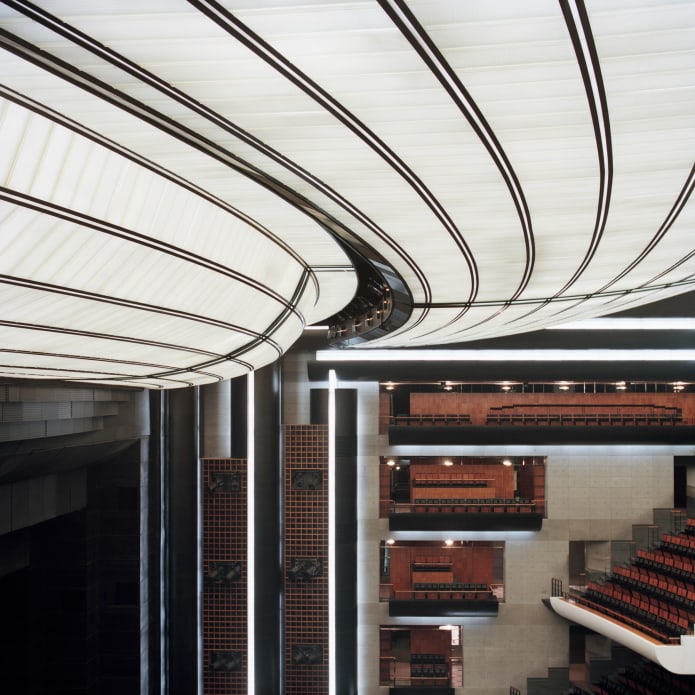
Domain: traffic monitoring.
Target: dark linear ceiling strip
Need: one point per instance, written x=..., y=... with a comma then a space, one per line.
x=257, y=45
x=138, y=306
x=672, y=216
x=199, y=368
x=233, y=356
x=579, y=28
x=666, y=225
x=95, y=375
x=90, y=44
x=106, y=336
x=89, y=358
x=101, y=90
x=48, y=113
x=75, y=217
x=419, y=39
x=65, y=374
x=590, y=66
x=646, y=287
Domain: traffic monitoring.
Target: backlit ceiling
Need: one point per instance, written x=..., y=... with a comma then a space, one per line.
x=180, y=179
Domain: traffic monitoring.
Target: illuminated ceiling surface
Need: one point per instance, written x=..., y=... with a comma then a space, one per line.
x=180, y=179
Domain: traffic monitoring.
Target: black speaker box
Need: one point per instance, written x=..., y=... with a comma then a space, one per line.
x=225, y=661
x=307, y=480
x=305, y=568
x=307, y=654
x=224, y=572
x=224, y=482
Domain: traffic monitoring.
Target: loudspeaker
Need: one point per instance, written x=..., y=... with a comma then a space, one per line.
x=224, y=572
x=307, y=654
x=225, y=661
x=224, y=482
x=307, y=480
x=305, y=568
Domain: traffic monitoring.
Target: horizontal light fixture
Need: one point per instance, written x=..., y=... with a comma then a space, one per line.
x=599, y=355
x=635, y=324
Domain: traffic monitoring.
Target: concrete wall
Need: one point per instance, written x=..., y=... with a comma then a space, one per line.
x=594, y=495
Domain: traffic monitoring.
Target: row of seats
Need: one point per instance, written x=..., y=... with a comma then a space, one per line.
x=474, y=500
x=617, y=612
x=646, y=678
x=683, y=543
x=433, y=419
x=428, y=670
x=451, y=586
x=448, y=482
x=597, y=415
x=665, y=561
x=660, y=616
x=449, y=595
x=493, y=504
x=668, y=588
x=427, y=658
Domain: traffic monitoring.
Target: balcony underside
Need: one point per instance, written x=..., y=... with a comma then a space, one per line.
x=421, y=690
x=546, y=434
x=465, y=521
x=679, y=659
x=438, y=608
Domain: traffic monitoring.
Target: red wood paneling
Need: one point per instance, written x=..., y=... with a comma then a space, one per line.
x=477, y=404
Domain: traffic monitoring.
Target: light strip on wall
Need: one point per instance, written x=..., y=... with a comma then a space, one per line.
x=163, y=551
x=332, y=382
x=635, y=324
x=199, y=539
x=250, y=537
x=607, y=355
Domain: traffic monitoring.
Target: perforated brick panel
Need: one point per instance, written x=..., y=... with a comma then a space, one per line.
x=224, y=576
x=306, y=536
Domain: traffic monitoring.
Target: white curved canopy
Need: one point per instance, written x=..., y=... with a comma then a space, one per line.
x=175, y=174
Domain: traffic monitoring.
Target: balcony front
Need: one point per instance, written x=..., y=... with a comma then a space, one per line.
x=463, y=493
x=448, y=579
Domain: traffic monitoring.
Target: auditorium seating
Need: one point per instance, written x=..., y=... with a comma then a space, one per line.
x=644, y=678
x=428, y=669
x=432, y=419
x=595, y=414
x=493, y=504
x=654, y=594
x=451, y=591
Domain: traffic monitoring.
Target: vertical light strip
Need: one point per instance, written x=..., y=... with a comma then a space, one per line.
x=163, y=542
x=199, y=537
x=331, y=532
x=250, y=537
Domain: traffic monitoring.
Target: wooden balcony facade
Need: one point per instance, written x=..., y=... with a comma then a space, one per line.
x=532, y=418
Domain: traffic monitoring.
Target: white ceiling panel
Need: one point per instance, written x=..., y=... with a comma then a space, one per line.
x=180, y=180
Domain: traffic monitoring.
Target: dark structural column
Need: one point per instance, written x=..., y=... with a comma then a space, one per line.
x=268, y=584
x=180, y=527
x=238, y=423
x=345, y=529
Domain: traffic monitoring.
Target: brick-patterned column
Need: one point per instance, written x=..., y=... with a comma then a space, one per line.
x=306, y=539
x=224, y=568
